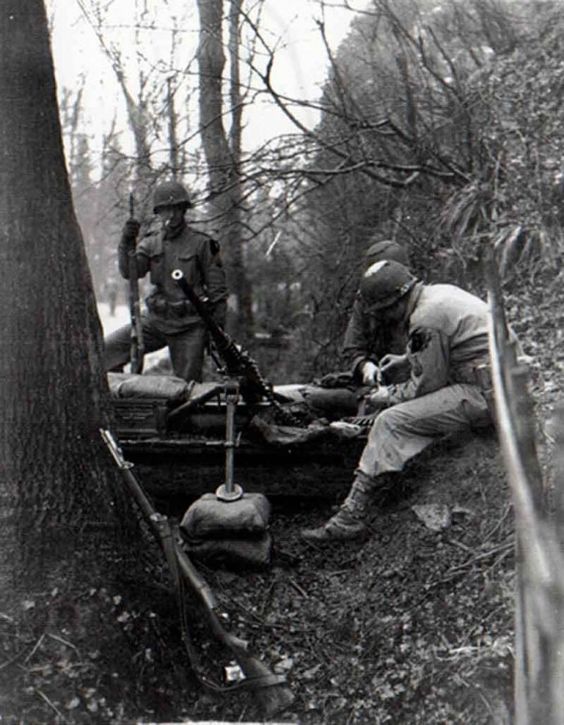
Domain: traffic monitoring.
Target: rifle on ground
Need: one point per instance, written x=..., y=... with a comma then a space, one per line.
x=238, y=362
x=137, y=348
x=271, y=690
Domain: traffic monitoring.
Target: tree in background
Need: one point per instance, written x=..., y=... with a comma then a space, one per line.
x=162, y=134
x=413, y=145
x=223, y=152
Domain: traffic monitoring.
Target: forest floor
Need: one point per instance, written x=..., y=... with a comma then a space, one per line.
x=413, y=626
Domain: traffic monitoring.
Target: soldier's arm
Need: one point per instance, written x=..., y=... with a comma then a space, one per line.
x=142, y=255
x=214, y=279
x=356, y=345
x=428, y=352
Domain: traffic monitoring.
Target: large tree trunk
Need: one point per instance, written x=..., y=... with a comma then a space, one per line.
x=59, y=492
x=223, y=161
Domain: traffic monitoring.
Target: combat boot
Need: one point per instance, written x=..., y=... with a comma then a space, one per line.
x=349, y=523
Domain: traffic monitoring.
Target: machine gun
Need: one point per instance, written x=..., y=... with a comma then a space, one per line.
x=137, y=345
x=238, y=362
x=271, y=690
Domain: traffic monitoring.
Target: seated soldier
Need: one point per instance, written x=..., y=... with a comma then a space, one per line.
x=446, y=351
x=367, y=338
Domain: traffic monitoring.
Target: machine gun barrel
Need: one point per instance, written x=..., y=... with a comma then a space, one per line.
x=238, y=362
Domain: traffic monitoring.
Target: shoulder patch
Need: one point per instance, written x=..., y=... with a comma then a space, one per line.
x=419, y=339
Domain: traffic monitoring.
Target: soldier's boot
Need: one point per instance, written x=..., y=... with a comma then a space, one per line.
x=349, y=523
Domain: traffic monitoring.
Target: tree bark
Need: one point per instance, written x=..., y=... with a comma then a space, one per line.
x=172, y=131
x=224, y=161
x=59, y=493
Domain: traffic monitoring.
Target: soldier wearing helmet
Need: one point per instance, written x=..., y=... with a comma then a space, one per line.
x=171, y=320
x=446, y=352
x=367, y=338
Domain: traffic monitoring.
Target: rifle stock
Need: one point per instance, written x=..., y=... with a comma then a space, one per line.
x=137, y=348
x=238, y=362
x=271, y=690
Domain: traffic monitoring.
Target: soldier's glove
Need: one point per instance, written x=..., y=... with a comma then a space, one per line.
x=369, y=373
x=130, y=232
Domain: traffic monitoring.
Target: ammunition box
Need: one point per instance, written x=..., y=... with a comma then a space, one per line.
x=140, y=417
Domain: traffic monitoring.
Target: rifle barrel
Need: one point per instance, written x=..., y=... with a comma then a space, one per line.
x=271, y=690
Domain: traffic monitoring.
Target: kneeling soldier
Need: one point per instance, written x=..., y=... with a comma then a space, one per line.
x=171, y=320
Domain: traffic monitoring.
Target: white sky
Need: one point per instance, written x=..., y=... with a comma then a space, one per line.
x=299, y=71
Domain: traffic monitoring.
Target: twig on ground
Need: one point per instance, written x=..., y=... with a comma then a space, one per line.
x=266, y=601
x=11, y=661
x=338, y=572
x=35, y=648
x=63, y=641
x=498, y=525
x=474, y=560
x=44, y=697
x=500, y=558
x=298, y=588
x=260, y=624
x=460, y=545
x=504, y=549
x=486, y=702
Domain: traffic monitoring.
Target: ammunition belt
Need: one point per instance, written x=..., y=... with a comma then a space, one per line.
x=158, y=305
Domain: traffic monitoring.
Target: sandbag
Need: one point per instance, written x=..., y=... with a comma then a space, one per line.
x=210, y=517
x=232, y=553
x=331, y=403
x=165, y=387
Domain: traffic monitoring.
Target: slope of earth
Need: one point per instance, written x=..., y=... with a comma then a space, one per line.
x=414, y=626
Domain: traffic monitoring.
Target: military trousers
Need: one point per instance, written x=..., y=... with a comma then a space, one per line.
x=404, y=430
x=186, y=347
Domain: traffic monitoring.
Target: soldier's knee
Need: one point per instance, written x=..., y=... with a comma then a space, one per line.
x=390, y=420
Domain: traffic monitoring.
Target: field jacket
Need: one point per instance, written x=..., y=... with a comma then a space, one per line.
x=366, y=338
x=447, y=331
x=197, y=255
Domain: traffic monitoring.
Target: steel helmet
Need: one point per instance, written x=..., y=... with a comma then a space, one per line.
x=170, y=193
x=385, y=249
x=384, y=283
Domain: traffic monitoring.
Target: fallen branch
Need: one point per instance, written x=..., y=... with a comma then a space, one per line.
x=475, y=559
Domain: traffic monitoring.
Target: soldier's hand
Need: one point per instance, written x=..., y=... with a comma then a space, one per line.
x=369, y=373
x=379, y=399
x=130, y=231
x=391, y=366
